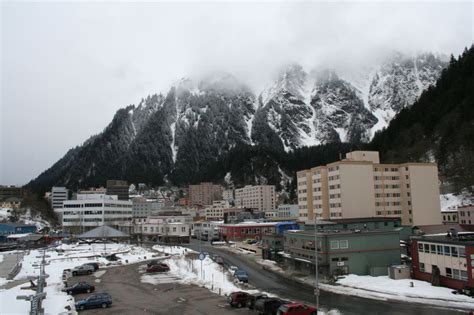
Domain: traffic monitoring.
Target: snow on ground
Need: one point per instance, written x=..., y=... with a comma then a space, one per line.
x=384, y=288
x=60, y=258
x=185, y=267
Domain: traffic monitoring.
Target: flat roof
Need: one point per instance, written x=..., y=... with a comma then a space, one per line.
x=344, y=232
x=464, y=238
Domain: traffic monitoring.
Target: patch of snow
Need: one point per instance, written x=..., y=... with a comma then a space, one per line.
x=384, y=288
x=342, y=134
x=174, y=149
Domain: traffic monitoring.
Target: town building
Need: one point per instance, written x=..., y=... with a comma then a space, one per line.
x=206, y=230
x=143, y=207
x=466, y=216
x=9, y=229
x=288, y=211
x=271, y=215
x=450, y=216
x=261, y=197
x=360, y=186
x=117, y=188
x=204, y=194
x=445, y=260
x=361, y=252
x=228, y=195
x=216, y=210
x=253, y=230
x=90, y=211
x=10, y=191
x=58, y=196
x=11, y=203
x=167, y=229
x=233, y=215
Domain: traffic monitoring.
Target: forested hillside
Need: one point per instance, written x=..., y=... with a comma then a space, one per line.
x=438, y=127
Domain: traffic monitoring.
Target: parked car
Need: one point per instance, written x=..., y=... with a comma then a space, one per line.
x=82, y=270
x=269, y=306
x=254, y=298
x=238, y=299
x=241, y=275
x=97, y=300
x=296, y=309
x=233, y=269
x=160, y=267
x=79, y=287
x=152, y=262
x=93, y=264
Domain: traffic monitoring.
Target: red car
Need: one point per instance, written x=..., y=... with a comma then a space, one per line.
x=158, y=268
x=238, y=299
x=297, y=309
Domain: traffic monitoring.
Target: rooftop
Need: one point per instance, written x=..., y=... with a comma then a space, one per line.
x=462, y=238
x=344, y=232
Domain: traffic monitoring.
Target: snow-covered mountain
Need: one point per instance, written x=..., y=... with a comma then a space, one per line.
x=197, y=122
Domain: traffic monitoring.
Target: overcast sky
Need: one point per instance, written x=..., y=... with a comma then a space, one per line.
x=67, y=67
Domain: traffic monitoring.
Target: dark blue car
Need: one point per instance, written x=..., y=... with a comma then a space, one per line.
x=97, y=300
x=241, y=275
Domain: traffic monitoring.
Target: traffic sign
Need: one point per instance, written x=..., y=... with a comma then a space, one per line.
x=202, y=256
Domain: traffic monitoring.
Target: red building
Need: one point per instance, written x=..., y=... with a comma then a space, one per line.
x=449, y=256
x=245, y=230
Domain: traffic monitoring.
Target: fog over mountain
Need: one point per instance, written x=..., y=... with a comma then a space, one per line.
x=68, y=67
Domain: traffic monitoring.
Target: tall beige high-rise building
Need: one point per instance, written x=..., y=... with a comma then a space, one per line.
x=359, y=186
x=204, y=194
x=261, y=197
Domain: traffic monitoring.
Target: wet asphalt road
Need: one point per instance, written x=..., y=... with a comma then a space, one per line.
x=285, y=288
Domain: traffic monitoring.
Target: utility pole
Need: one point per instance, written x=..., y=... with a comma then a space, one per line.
x=316, y=279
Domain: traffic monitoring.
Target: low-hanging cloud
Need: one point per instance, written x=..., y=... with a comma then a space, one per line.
x=67, y=67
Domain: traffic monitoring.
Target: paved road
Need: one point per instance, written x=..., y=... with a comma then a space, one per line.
x=274, y=283
x=8, y=262
x=130, y=296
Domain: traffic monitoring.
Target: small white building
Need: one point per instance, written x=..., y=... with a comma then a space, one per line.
x=206, y=230
x=92, y=210
x=174, y=229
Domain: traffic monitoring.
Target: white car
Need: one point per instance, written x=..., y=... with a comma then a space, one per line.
x=233, y=268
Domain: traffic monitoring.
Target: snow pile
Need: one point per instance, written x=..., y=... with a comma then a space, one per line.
x=172, y=250
x=452, y=201
x=270, y=264
x=60, y=258
x=384, y=288
x=4, y=213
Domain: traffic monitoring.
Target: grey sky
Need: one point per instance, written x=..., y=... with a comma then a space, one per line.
x=66, y=67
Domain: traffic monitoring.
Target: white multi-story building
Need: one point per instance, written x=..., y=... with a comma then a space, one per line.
x=261, y=197
x=271, y=214
x=143, y=207
x=173, y=229
x=58, y=196
x=90, y=211
x=288, y=211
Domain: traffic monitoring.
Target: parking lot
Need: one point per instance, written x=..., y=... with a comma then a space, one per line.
x=130, y=296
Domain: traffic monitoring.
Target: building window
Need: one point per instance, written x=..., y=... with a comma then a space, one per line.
x=446, y=251
x=449, y=273
x=344, y=244
x=454, y=251
x=420, y=248
x=422, y=267
x=433, y=249
x=427, y=248
x=334, y=244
